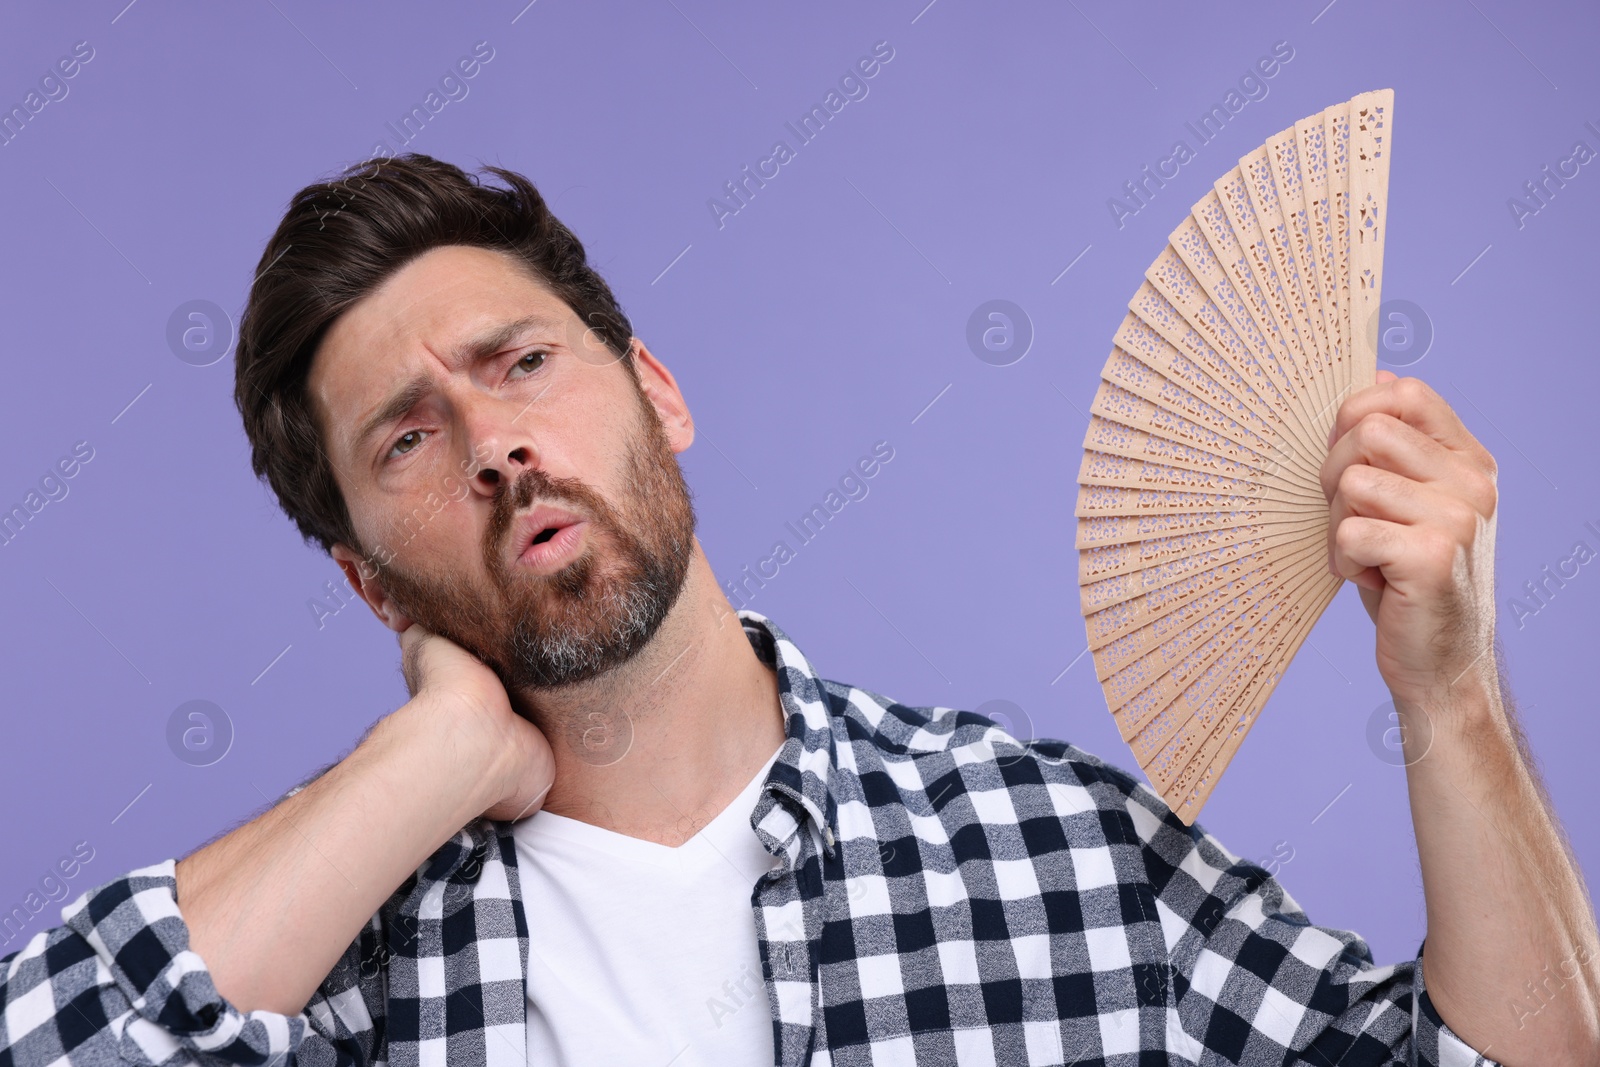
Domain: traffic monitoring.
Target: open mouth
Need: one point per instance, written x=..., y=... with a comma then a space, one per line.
x=551, y=537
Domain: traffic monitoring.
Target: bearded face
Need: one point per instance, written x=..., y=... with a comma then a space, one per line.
x=545, y=631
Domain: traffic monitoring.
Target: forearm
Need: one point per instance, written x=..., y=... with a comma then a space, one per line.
x=1512, y=956
x=272, y=905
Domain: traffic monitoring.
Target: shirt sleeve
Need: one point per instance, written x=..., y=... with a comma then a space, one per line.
x=1254, y=981
x=118, y=983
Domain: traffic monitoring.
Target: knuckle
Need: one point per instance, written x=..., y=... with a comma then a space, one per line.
x=1358, y=481
x=1462, y=519
x=1350, y=479
x=1373, y=429
x=1437, y=548
x=1412, y=390
x=1482, y=492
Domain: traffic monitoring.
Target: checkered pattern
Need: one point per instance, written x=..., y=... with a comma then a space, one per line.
x=945, y=896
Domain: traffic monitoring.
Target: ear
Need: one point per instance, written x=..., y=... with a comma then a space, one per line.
x=363, y=578
x=661, y=389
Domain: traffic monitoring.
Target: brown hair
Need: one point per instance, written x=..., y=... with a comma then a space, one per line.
x=338, y=241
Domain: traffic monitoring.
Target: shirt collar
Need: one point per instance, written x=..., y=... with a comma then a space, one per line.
x=800, y=779
x=803, y=771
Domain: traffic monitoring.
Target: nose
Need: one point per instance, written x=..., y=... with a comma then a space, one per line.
x=501, y=450
x=490, y=474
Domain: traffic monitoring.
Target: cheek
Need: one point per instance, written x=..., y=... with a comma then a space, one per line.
x=591, y=440
x=436, y=528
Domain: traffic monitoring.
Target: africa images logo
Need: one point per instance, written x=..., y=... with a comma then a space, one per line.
x=852, y=87
x=1138, y=192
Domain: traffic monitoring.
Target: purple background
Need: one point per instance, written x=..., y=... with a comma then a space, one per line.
x=824, y=317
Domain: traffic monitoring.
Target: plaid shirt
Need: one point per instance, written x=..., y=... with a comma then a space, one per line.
x=944, y=895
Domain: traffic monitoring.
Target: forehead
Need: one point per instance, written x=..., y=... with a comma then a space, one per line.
x=415, y=318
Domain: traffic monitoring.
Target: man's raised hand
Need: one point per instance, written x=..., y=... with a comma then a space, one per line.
x=1411, y=521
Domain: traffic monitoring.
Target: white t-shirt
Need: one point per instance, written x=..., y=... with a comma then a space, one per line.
x=641, y=954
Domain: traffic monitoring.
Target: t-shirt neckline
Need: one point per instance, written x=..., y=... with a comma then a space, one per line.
x=722, y=833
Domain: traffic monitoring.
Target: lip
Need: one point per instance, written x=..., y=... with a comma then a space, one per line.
x=550, y=555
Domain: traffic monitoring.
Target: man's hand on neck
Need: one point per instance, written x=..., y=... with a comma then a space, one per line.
x=272, y=905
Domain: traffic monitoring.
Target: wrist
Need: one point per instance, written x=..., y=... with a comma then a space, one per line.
x=1467, y=724
x=435, y=748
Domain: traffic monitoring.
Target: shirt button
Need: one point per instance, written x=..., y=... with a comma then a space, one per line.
x=827, y=836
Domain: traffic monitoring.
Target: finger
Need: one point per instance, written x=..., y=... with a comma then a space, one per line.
x=1373, y=493
x=1379, y=494
x=1359, y=536
x=1369, y=600
x=411, y=642
x=1361, y=482
x=1413, y=402
x=1395, y=552
x=1380, y=440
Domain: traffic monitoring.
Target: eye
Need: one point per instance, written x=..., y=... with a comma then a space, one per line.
x=531, y=362
x=406, y=442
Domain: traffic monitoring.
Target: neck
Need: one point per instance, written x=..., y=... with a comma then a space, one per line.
x=656, y=748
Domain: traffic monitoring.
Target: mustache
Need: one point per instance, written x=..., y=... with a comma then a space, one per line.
x=511, y=498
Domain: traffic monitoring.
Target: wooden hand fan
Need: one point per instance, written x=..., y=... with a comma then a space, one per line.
x=1202, y=526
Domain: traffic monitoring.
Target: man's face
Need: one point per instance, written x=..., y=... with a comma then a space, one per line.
x=457, y=463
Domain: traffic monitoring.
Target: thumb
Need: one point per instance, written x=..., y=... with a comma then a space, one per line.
x=411, y=639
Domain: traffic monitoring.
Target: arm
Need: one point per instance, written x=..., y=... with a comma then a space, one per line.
x=272, y=905
x=1511, y=950
x=1512, y=946
x=234, y=977
x=1252, y=981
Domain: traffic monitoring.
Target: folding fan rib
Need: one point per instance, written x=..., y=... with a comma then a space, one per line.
x=1319, y=251
x=1131, y=556
x=1128, y=442
x=1190, y=321
x=1336, y=120
x=1255, y=578
x=1145, y=365
x=1242, y=301
x=1142, y=656
x=1283, y=156
x=1179, y=572
x=1267, y=203
x=1101, y=468
x=1214, y=340
x=1168, y=669
x=1212, y=705
x=1269, y=284
x=1209, y=431
x=1369, y=221
x=1201, y=775
x=1127, y=609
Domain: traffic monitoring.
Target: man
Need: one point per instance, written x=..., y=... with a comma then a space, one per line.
x=618, y=822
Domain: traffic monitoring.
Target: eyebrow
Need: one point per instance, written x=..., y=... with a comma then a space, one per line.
x=414, y=390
